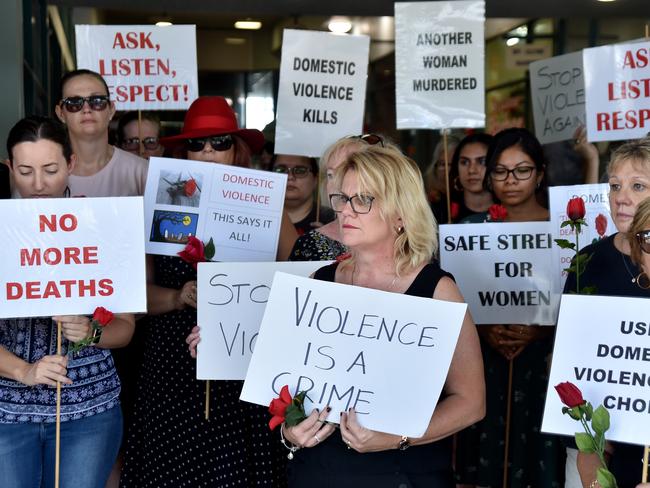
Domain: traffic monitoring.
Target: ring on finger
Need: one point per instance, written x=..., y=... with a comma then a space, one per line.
x=316, y=437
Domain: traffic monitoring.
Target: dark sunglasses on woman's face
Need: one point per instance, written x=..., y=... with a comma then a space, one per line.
x=643, y=238
x=133, y=144
x=218, y=143
x=95, y=102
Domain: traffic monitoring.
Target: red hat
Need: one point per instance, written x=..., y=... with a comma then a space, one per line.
x=212, y=116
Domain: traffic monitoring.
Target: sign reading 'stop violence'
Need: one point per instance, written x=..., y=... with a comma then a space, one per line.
x=322, y=90
x=146, y=67
x=439, y=64
x=558, y=92
x=617, y=83
x=70, y=255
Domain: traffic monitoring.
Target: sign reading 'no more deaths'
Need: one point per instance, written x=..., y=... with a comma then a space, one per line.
x=336, y=342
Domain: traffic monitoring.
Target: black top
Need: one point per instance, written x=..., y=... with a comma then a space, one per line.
x=325, y=217
x=4, y=181
x=332, y=464
x=612, y=272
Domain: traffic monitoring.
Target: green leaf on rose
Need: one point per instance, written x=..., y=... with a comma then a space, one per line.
x=600, y=420
x=584, y=442
x=588, y=290
x=564, y=244
x=209, y=250
x=605, y=478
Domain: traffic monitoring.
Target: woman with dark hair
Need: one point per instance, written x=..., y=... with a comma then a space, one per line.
x=41, y=160
x=515, y=173
x=102, y=170
x=169, y=433
x=466, y=176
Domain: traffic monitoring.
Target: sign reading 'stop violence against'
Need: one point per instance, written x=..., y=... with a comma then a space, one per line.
x=322, y=90
x=617, y=83
x=145, y=67
x=439, y=64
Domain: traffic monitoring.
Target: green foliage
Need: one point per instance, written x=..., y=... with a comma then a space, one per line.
x=209, y=250
x=600, y=421
x=605, y=478
x=584, y=442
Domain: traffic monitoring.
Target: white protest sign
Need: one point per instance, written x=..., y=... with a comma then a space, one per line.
x=617, y=90
x=355, y=347
x=557, y=88
x=231, y=301
x=68, y=256
x=599, y=222
x=502, y=270
x=602, y=345
x=146, y=67
x=439, y=64
x=239, y=208
x=322, y=90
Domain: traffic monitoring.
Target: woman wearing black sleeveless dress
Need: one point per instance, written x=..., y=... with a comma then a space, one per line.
x=386, y=223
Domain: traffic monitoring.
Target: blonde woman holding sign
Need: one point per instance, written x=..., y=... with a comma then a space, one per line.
x=40, y=158
x=385, y=221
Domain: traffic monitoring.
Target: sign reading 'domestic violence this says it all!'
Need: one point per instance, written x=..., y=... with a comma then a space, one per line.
x=146, y=67
x=64, y=256
x=322, y=90
x=439, y=64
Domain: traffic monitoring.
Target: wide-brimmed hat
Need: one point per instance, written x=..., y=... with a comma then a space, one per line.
x=212, y=116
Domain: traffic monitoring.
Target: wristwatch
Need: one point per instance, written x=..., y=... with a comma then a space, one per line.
x=404, y=443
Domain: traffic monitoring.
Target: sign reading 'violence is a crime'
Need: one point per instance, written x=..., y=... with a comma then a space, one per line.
x=146, y=67
x=69, y=256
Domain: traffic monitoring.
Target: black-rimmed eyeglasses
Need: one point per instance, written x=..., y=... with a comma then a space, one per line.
x=520, y=173
x=360, y=204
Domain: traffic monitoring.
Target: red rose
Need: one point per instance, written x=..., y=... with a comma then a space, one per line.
x=570, y=395
x=455, y=210
x=194, y=251
x=102, y=316
x=601, y=225
x=497, y=213
x=278, y=407
x=575, y=209
x=190, y=187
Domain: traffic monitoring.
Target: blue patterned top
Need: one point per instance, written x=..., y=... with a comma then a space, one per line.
x=95, y=385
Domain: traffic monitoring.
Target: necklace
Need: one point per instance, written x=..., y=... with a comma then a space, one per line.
x=642, y=280
x=354, y=270
x=634, y=278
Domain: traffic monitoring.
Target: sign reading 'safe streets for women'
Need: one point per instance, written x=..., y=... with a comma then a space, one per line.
x=503, y=270
x=602, y=345
x=321, y=92
x=439, y=64
x=67, y=256
x=384, y=354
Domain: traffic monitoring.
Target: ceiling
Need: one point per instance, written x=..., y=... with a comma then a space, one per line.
x=284, y=8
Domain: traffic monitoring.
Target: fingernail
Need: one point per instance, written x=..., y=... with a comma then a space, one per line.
x=328, y=409
x=317, y=410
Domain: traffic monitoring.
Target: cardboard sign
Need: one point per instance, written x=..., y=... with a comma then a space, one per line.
x=602, y=345
x=349, y=346
x=557, y=88
x=146, y=67
x=239, y=208
x=68, y=256
x=231, y=302
x=322, y=90
x=599, y=222
x=618, y=92
x=502, y=270
x=439, y=64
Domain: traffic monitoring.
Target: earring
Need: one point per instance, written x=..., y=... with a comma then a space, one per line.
x=457, y=185
x=538, y=185
x=400, y=230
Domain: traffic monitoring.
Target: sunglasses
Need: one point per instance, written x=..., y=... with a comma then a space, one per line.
x=643, y=238
x=218, y=143
x=133, y=144
x=95, y=102
x=370, y=139
x=296, y=171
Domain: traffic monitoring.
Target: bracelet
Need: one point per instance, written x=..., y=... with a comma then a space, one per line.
x=594, y=484
x=292, y=448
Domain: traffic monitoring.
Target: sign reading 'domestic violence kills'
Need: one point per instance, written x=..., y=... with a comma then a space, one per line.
x=557, y=87
x=231, y=302
x=322, y=90
x=70, y=255
x=502, y=270
x=353, y=347
x=239, y=208
x=597, y=215
x=602, y=345
x=439, y=64
x=617, y=82
x=146, y=67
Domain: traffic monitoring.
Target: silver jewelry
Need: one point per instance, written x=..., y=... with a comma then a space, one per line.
x=632, y=275
x=317, y=438
x=354, y=270
x=292, y=448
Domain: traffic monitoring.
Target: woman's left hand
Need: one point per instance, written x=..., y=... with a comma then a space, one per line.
x=364, y=440
x=75, y=328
